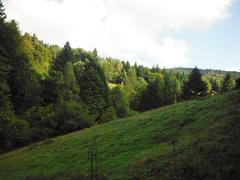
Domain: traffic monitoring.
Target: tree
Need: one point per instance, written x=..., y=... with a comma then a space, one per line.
x=171, y=88
x=238, y=83
x=62, y=77
x=2, y=13
x=195, y=86
x=227, y=83
x=64, y=56
x=216, y=86
x=93, y=87
x=119, y=102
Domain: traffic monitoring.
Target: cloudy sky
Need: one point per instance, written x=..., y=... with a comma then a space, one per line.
x=171, y=33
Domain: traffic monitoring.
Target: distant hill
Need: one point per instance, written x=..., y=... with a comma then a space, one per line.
x=196, y=139
x=208, y=72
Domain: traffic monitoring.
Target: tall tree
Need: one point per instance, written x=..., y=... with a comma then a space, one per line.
x=238, y=83
x=119, y=102
x=195, y=86
x=62, y=78
x=4, y=62
x=93, y=87
x=227, y=83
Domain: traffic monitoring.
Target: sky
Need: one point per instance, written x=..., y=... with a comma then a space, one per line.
x=170, y=33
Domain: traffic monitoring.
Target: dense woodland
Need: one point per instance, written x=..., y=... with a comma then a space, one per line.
x=46, y=90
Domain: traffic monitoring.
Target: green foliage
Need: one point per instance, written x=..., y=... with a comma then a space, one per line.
x=216, y=85
x=43, y=122
x=107, y=115
x=72, y=116
x=58, y=119
x=228, y=83
x=164, y=90
x=195, y=86
x=62, y=77
x=238, y=83
x=2, y=12
x=13, y=132
x=38, y=54
x=63, y=57
x=93, y=87
x=25, y=86
x=113, y=69
x=208, y=87
x=119, y=102
x=133, y=85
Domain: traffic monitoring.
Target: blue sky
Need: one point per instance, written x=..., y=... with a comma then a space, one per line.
x=171, y=33
x=219, y=46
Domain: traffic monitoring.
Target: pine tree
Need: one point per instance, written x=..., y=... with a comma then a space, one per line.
x=93, y=88
x=5, y=66
x=62, y=77
x=2, y=13
x=195, y=86
x=64, y=56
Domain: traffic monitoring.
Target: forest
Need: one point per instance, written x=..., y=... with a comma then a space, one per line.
x=47, y=90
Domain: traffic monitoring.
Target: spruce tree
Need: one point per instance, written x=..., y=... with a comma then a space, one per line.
x=195, y=86
x=93, y=87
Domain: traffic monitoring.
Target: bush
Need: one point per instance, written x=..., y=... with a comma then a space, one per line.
x=107, y=115
x=51, y=120
x=13, y=132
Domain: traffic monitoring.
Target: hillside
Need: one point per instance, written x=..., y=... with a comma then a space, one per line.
x=207, y=72
x=186, y=140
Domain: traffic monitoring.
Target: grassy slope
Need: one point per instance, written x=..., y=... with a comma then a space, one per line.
x=126, y=146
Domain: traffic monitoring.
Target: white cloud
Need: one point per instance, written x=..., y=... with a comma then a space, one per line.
x=234, y=68
x=60, y=1
x=127, y=29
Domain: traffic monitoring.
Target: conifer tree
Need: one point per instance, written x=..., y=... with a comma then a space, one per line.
x=195, y=86
x=93, y=87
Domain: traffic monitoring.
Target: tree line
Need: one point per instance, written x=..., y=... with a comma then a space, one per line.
x=46, y=91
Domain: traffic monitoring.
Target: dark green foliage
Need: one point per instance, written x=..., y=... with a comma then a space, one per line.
x=93, y=88
x=164, y=90
x=119, y=102
x=238, y=83
x=4, y=87
x=227, y=84
x=25, y=86
x=195, y=86
x=142, y=72
x=72, y=116
x=62, y=80
x=59, y=119
x=43, y=122
x=64, y=56
x=216, y=87
x=108, y=114
x=126, y=65
x=2, y=12
x=13, y=132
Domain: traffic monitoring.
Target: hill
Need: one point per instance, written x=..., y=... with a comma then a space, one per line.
x=207, y=72
x=196, y=139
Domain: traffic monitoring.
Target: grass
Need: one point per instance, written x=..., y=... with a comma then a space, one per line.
x=129, y=147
